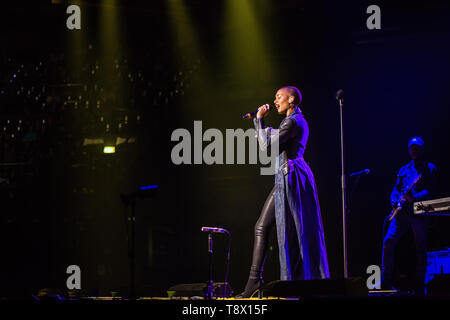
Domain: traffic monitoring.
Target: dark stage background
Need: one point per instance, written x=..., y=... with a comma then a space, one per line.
x=141, y=69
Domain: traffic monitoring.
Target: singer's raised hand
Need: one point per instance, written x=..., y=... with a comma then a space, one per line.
x=263, y=110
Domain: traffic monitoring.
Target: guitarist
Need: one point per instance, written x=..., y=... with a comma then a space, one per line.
x=408, y=189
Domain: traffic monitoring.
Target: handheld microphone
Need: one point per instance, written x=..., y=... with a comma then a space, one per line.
x=251, y=114
x=214, y=230
x=366, y=171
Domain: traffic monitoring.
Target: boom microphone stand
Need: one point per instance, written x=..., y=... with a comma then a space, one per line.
x=340, y=99
x=210, y=284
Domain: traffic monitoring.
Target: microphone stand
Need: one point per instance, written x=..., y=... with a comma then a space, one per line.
x=131, y=248
x=129, y=199
x=210, y=287
x=339, y=97
x=132, y=252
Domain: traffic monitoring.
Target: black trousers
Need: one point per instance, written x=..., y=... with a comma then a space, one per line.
x=398, y=227
x=262, y=231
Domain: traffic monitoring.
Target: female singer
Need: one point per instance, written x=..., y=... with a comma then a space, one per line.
x=293, y=204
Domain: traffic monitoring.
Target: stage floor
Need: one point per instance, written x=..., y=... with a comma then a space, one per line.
x=266, y=308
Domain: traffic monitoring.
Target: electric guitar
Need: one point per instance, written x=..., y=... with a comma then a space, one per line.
x=403, y=199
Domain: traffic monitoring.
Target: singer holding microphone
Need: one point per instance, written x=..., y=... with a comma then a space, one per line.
x=292, y=205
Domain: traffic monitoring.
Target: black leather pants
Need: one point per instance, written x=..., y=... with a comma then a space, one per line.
x=262, y=230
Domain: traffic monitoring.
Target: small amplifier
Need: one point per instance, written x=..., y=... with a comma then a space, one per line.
x=438, y=270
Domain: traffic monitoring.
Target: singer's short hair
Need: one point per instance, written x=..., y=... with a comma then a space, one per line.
x=293, y=91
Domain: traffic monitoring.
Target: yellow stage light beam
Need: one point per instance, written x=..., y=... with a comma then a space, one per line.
x=182, y=28
x=189, y=51
x=247, y=49
x=110, y=35
x=112, y=61
x=75, y=40
x=110, y=38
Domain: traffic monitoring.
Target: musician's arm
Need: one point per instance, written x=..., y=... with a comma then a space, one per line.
x=268, y=136
x=430, y=191
x=420, y=196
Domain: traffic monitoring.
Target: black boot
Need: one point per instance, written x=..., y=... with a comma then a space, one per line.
x=254, y=284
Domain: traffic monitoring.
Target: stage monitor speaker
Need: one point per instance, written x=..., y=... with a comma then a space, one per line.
x=199, y=289
x=316, y=288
